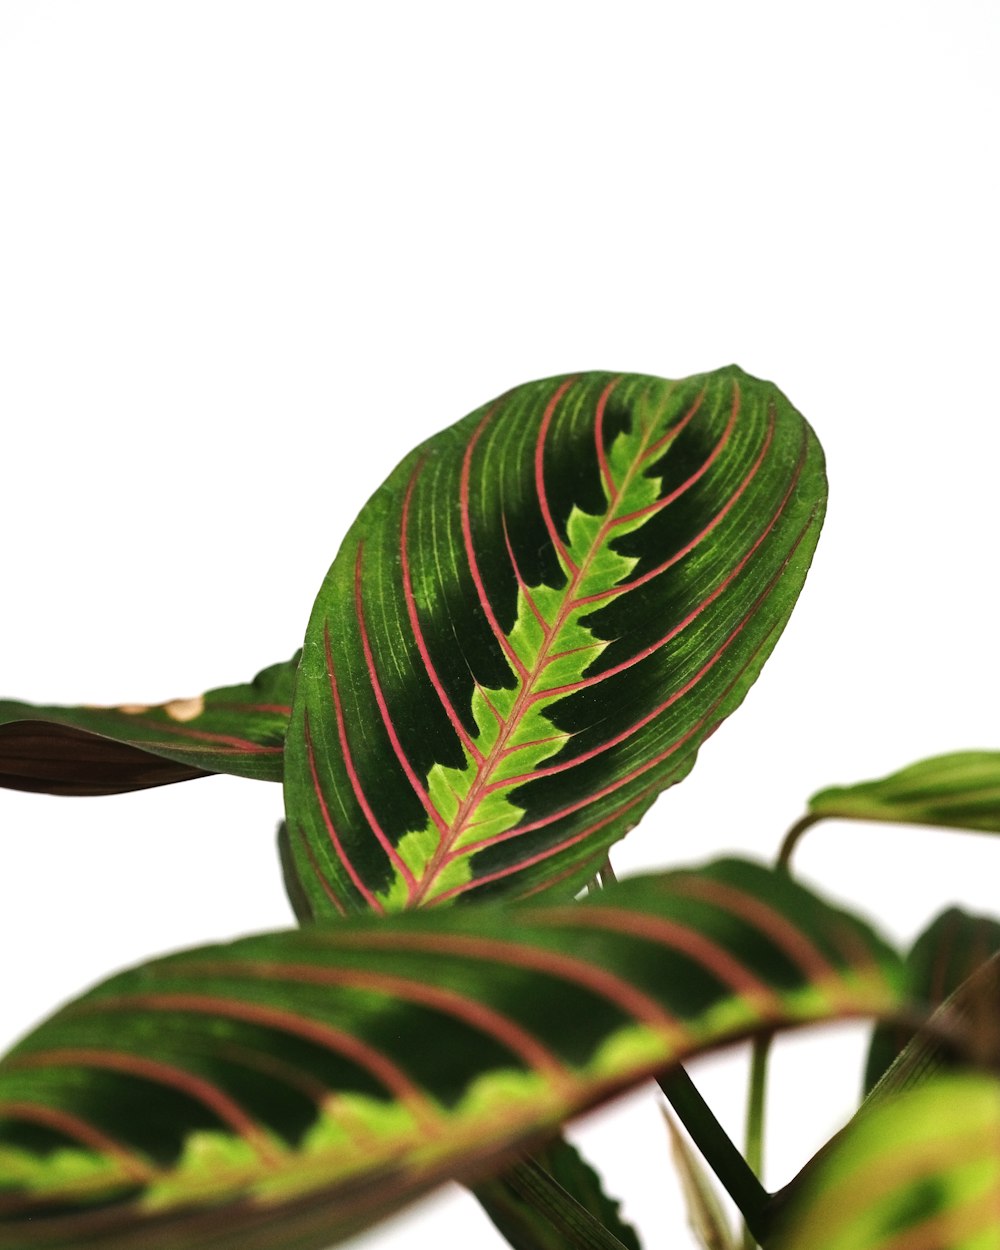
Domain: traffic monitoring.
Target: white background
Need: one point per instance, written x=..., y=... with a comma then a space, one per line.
x=250, y=253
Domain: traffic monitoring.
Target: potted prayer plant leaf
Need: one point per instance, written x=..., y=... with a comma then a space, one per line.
x=527, y=634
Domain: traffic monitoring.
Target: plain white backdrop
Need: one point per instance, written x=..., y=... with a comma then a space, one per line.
x=250, y=253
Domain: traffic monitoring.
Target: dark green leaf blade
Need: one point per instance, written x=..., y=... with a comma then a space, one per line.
x=286, y=1090
x=945, y=955
x=963, y=1033
x=957, y=791
x=533, y=626
x=110, y=750
x=525, y=1227
x=919, y=1172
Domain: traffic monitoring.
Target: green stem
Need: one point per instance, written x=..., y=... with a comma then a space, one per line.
x=792, y=837
x=581, y=1230
x=716, y=1148
x=756, y=1109
x=755, y=1102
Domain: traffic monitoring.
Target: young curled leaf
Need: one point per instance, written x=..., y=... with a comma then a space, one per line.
x=534, y=625
x=286, y=1090
x=110, y=750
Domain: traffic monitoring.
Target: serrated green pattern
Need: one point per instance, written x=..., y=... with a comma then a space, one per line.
x=283, y=1091
x=533, y=626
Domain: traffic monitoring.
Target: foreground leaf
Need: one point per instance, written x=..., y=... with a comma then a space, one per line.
x=533, y=626
x=109, y=750
x=957, y=791
x=945, y=955
x=286, y=1090
x=920, y=1172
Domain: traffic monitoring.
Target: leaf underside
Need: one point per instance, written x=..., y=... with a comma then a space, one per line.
x=111, y=750
x=533, y=626
x=919, y=1172
x=945, y=955
x=958, y=791
x=286, y=1090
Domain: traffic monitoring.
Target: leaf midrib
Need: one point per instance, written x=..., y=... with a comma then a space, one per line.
x=525, y=697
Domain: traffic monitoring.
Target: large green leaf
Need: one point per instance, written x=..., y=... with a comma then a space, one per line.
x=285, y=1090
x=108, y=750
x=920, y=1172
x=958, y=791
x=532, y=627
x=945, y=955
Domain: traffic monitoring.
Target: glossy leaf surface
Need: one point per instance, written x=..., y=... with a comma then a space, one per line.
x=945, y=955
x=109, y=750
x=533, y=626
x=920, y=1172
x=959, y=791
x=285, y=1090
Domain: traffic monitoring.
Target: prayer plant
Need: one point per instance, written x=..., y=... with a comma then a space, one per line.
x=526, y=636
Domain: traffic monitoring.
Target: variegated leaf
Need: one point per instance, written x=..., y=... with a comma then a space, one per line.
x=109, y=750
x=533, y=626
x=921, y=1171
x=958, y=791
x=281, y=1092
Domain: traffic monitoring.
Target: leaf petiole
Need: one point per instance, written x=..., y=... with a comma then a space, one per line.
x=717, y=1148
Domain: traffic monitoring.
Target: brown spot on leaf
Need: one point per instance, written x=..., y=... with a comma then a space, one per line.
x=185, y=709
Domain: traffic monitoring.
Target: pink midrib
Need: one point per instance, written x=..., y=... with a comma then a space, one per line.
x=479, y=788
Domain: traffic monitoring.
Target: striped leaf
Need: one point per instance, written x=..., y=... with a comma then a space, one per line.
x=533, y=626
x=921, y=1172
x=109, y=750
x=957, y=791
x=945, y=955
x=286, y=1090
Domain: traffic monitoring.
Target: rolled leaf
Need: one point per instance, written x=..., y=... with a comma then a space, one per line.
x=286, y=1090
x=110, y=750
x=945, y=955
x=957, y=791
x=532, y=627
x=921, y=1172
